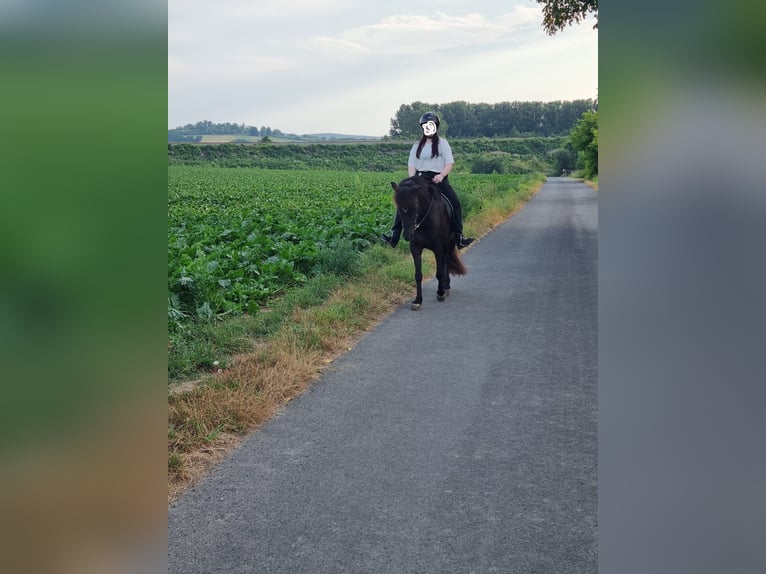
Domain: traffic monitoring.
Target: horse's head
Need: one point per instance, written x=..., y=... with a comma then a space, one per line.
x=413, y=198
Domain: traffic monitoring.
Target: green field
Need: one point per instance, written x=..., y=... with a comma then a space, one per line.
x=237, y=237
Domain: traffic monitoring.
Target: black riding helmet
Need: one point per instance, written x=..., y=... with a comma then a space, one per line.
x=429, y=117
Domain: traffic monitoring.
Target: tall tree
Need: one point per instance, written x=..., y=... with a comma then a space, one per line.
x=558, y=14
x=584, y=140
x=503, y=119
x=461, y=117
x=406, y=123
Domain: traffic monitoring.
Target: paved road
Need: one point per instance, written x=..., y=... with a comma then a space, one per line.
x=457, y=438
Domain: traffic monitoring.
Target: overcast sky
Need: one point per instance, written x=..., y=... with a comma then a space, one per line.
x=345, y=66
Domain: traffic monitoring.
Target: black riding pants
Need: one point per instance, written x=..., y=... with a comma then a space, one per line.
x=445, y=188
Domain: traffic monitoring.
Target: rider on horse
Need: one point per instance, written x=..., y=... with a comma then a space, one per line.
x=435, y=162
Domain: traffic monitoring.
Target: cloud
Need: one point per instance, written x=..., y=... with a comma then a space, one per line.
x=287, y=10
x=407, y=34
x=339, y=48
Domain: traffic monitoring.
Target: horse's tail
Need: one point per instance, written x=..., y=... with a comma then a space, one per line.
x=455, y=264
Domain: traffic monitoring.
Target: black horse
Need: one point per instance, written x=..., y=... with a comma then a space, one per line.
x=426, y=224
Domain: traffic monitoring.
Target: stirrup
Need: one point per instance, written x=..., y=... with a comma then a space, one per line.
x=464, y=241
x=390, y=240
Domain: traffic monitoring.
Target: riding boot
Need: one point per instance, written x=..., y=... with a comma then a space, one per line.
x=457, y=219
x=396, y=231
x=458, y=228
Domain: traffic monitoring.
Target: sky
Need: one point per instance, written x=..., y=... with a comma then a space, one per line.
x=346, y=66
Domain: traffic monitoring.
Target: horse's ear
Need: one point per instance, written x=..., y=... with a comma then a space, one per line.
x=393, y=185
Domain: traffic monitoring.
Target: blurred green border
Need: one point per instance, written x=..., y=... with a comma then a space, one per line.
x=82, y=222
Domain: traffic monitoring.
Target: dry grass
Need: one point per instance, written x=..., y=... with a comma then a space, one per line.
x=209, y=420
x=205, y=423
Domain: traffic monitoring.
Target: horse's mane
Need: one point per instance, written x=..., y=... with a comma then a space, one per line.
x=418, y=181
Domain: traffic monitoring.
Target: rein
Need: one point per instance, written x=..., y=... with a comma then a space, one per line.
x=430, y=205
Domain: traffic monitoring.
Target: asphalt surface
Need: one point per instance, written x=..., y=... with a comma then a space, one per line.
x=458, y=438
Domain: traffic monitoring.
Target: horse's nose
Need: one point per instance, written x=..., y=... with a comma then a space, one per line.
x=408, y=234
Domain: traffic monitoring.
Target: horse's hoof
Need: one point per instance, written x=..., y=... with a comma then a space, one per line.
x=441, y=297
x=415, y=306
x=446, y=293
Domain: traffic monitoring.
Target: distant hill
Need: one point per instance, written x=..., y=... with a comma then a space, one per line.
x=331, y=136
x=209, y=132
x=284, y=138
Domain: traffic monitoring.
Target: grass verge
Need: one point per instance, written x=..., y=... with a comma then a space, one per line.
x=286, y=349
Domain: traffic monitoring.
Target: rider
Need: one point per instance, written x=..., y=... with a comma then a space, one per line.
x=432, y=157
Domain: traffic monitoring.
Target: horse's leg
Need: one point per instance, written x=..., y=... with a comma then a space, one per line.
x=441, y=271
x=446, y=275
x=417, y=253
x=448, y=247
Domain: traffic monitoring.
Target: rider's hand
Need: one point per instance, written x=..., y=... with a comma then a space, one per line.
x=438, y=178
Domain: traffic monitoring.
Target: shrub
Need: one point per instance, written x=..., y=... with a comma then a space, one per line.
x=562, y=159
x=340, y=259
x=493, y=162
x=584, y=139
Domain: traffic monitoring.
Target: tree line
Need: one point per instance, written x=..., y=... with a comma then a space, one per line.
x=505, y=119
x=194, y=132
x=458, y=120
